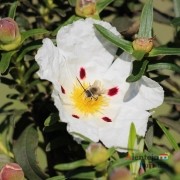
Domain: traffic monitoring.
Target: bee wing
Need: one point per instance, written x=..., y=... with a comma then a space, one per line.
x=96, y=84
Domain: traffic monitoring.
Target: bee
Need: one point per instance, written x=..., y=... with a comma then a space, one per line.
x=93, y=91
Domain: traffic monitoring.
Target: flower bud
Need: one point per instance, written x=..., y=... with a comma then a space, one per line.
x=9, y=34
x=86, y=8
x=11, y=171
x=176, y=159
x=96, y=154
x=121, y=174
x=143, y=44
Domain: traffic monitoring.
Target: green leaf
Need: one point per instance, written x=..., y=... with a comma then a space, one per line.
x=132, y=138
x=139, y=69
x=172, y=100
x=72, y=165
x=102, y=4
x=12, y=10
x=33, y=32
x=72, y=2
x=159, y=66
x=145, y=29
x=170, y=123
x=32, y=69
x=176, y=21
x=177, y=8
x=27, y=48
x=5, y=60
x=69, y=21
x=149, y=137
x=150, y=172
x=61, y=177
x=24, y=151
x=139, y=55
x=161, y=51
x=122, y=162
x=169, y=136
x=85, y=176
x=52, y=119
x=116, y=40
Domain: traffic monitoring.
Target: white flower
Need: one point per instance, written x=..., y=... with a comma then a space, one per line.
x=90, y=88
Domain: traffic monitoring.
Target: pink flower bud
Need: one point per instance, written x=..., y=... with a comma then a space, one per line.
x=121, y=174
x=176, y=159
x=9, y=30
x=11, y=171
x=96, y=153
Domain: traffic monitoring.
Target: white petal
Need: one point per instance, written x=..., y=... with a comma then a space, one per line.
x=49, y=59
x=84, y=46
x=120, y=69
x=144, y=94
x=116, y=135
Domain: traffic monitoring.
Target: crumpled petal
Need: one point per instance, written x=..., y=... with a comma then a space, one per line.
x=144, y=94
x=50, y=61
x=85, y=47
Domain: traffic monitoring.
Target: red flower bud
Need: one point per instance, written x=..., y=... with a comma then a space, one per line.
x=11, y=171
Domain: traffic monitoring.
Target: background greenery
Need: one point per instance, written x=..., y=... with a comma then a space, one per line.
x=25, y=99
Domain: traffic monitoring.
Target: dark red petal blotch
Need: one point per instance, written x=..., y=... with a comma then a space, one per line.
x=113, y=91
x=63, y=90
x=75, y=116
x=82, y=73
x=106, y=119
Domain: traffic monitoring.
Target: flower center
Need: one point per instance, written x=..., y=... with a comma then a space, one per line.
x=87, y=99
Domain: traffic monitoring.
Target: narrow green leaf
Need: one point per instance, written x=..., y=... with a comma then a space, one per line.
x=122, y=162
x=12, y=10
x=170, y=123
x=33, y=32
x=52, y=119
x=72, y=2
x=172, y=100
x=177, y=8
x=32, y=69
x=24, y=151
x=116, y=40
x=176, y=21
x=27, y=48
x=61, y=177
x=150, y=172
x=132, y=138
x=161, y=51
x=102, y=4
x=159, y=66
x=138, y=55
x=72, y=165
x=85, y=176
x=5, y=60
x=169, y=136
x=145, y=29
x=138, y=72
x=69, y=21
x=149, y=137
